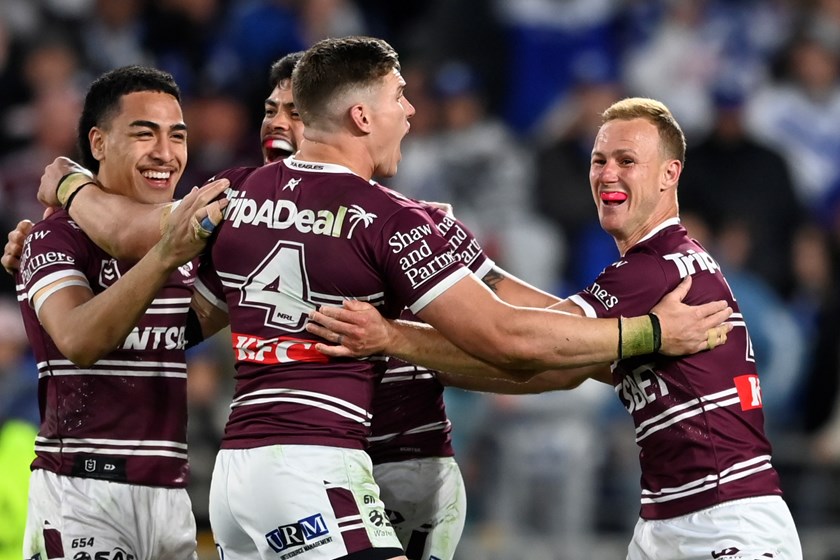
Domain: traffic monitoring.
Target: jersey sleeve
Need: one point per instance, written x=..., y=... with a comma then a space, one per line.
x=628, y=287
x=208, y=284
x=52, y=259
x=462, y=241
x=418, y=261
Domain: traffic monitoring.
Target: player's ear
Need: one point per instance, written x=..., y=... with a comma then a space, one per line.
x=360, y=117
x=97, y=143
x=671, y=174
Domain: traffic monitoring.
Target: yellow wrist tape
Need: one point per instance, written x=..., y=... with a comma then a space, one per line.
x=69, y=184
x=636, y=336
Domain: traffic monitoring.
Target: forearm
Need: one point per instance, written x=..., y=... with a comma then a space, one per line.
x=122, y=227
x=421, y=344
x=553, y=380
x=87, y=332
x=514, y=291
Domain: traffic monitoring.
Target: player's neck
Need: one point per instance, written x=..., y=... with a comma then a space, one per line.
x=345, y=153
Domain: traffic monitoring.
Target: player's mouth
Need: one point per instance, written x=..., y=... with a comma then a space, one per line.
x=613, y=198
x=277, y=149
x=157, y=178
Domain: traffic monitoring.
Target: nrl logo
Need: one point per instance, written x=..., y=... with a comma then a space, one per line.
x=108, y=273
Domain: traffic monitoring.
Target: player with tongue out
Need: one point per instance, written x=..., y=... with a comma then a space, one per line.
x=699, y=419
x=616, y=197
x=708, y=488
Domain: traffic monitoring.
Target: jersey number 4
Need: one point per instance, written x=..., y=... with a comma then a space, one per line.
x=280, y=285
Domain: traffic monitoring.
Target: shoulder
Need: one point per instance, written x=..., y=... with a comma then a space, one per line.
x=58, y=225
x=234, y=174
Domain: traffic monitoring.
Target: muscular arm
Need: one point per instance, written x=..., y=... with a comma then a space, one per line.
x=517, y=338
x=124, y=228
x=211, y=318
x=553, y=380
x=85, y=327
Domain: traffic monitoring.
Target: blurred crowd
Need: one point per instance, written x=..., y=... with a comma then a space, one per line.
x=508, y=95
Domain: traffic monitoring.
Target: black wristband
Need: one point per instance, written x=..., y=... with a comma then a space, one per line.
x=58, y=185
x=620, y=352
x=657, y=332
x=73, y=195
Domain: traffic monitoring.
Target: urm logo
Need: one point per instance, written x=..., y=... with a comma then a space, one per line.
x=296, y=534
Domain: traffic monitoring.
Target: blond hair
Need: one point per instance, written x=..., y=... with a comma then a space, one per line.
x=672, y=139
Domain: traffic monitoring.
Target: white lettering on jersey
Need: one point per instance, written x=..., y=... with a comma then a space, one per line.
x=466, y=254
x=399, y=241
x=693, y=262
x=30, y=264
x=284, y=214
x=749, y=391
x=469, y=253
x=638, y=388
x=280, y=350
x=417, y=275
x=152, y=338
x=607, y=299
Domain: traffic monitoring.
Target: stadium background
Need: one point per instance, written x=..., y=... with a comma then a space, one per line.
x=507, y=95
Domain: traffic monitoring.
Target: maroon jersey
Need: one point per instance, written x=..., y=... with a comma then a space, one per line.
x=699, y=419
x=124, y=418
x=409, y=415
x=298, y=235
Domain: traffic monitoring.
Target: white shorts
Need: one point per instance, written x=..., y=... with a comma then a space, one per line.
x=427, y=504
x=84, y=518
x=751, y=529
x=305, y=502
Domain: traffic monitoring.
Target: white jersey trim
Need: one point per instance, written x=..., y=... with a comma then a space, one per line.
x=129, y=447
x=311, y=398
x=103, y=367
x=108, y=441
x=433, y=427
x=588, y=310
x=685, y=410
x=735, y=472
x=205, y=292
x=438, y=289
x=486, y=267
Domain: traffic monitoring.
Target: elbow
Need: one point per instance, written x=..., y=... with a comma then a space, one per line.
x=83, y=353
x=130, y=248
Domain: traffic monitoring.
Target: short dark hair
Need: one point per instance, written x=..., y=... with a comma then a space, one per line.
x=103, y=99
x=282, y=69
x=335, y=65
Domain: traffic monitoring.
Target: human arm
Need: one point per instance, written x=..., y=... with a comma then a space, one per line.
x=209, y=318
x=438, y=353
x=552, y=380
x=14, y=246
x=84, y=326
x=516, y=338
x=124, y=228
